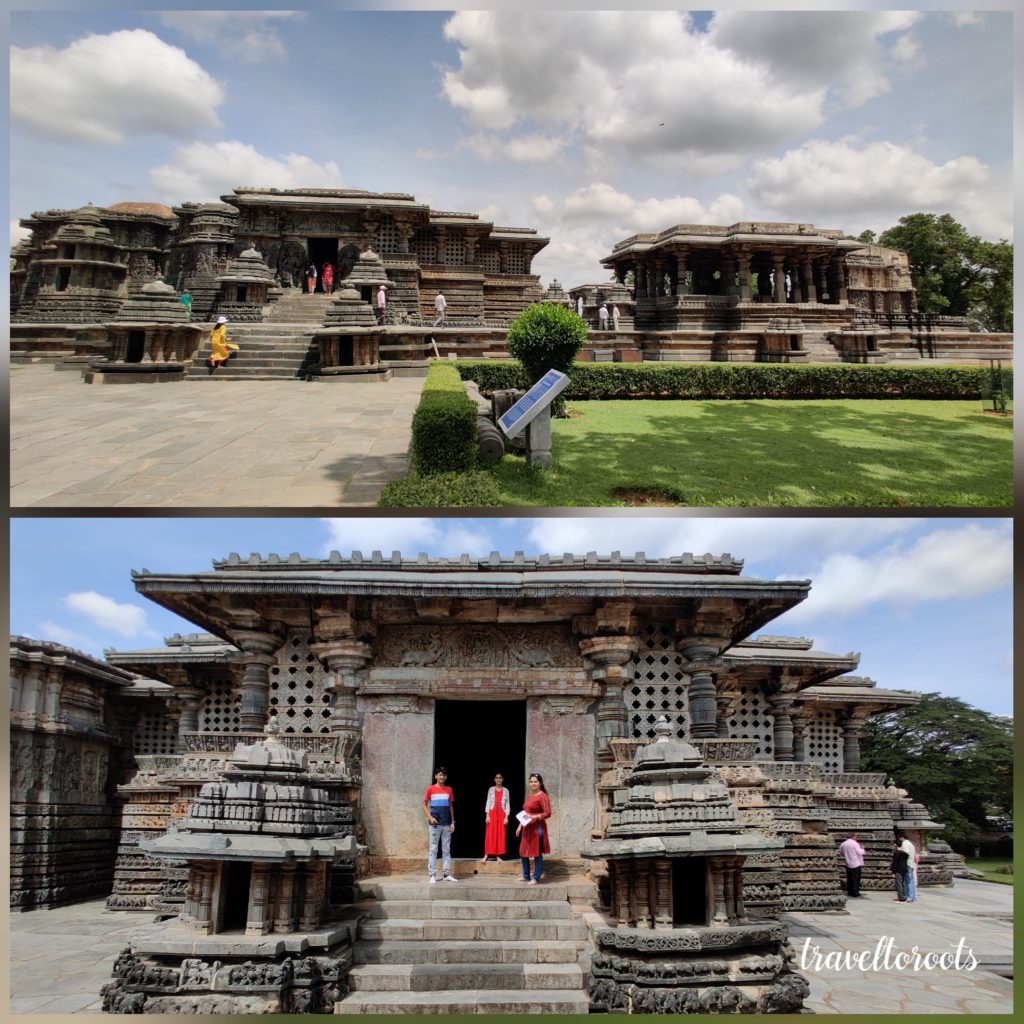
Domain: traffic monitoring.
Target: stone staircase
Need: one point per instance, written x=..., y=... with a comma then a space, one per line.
x=486, y=944
x=820, y=348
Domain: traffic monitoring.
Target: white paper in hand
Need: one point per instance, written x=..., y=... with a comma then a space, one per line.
x=523, y=818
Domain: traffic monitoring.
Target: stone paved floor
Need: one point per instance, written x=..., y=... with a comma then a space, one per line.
x=979, y=912
x=61, y=958
x=222, y=444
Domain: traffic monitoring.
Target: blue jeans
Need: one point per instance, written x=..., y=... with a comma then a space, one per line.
x=900, y=878
x=442, y=832
x=911, y=887
x=538, y=861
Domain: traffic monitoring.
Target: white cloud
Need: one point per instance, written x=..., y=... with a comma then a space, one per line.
x=846, y=52
x=746, y=538
x=438, y=537
x=535, y=148
x=106, y=88
x=248, y=35
x=966, y=19
x=842, y=184
x=52, y=631
x=962, y=562
x=18, y=233
x=125, y=619
x=204, y=171
x=639, y=85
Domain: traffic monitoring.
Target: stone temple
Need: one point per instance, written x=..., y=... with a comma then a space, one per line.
x=257, y=786
x=752, y=291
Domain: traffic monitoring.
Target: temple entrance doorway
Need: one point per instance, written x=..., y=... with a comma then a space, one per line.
x=234, y=894
x=475, y=740
x=321, y=251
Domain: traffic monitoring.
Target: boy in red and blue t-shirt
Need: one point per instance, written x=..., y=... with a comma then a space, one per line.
x=439, y=807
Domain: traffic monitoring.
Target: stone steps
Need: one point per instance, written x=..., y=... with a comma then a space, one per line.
x=484, y=945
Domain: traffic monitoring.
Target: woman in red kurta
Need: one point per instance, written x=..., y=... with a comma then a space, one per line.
x=534, y=842
x=496, y=811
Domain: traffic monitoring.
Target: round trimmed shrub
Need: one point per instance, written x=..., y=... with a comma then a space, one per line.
x=546, y=337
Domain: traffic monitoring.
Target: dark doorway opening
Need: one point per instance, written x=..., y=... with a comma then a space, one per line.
x=689, y=891
x=235, y=896
x=321, y=251
x=474, y=740
x=345, y=356
x=136, y=347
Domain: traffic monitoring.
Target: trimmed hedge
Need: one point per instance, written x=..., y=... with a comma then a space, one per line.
x=474, y=489
x=444, y=424
x=744, y=380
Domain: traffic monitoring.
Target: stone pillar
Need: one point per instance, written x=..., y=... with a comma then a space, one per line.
x=807, y=272
x=799, y=737
x=206, y=874
x=681, y=286
x=741, y=910
x=612, y=661
x=259, y=649
x=337, y=644
x=821, y=265
x=783, y=728
x=852, y=729
x=729, y=886
x=839, y=272
x=795, y=289
x=284, y=911
x=620, y=897
x=659, y=277
x=743, y=260
x=644, y=903
x=725, y=705
x=719, y=912
x=700, y=664
x=257, y=920
x=312, y=896
x=778, y=268
x=663, y=907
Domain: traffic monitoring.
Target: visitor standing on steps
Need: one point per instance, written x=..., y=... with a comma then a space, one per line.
x=221, y=347
x=615, y=317
x=602, y=317
x=440, y=304
x=186, y=300
x=328, y=278
x=579, y=307
x=533, y=829
x=311, y=278
x=439, y=807
x=382, y=303
x=496, y=812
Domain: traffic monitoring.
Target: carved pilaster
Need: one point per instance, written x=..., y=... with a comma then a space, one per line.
x=783, y=726
x=700, y=663
x=852, y=729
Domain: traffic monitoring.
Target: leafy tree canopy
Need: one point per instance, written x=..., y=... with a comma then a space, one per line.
x=955, y=273
x=955, y=759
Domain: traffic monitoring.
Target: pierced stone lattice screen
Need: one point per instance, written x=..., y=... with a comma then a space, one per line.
x=424, y=246
x=297, y=694
x=490, y=259
x=516, y=261
x=659, y=687
x=386, y=238
x=825, y=742
x=455, y=250
x=752, y=721
x=222, y=708
x=155, y=734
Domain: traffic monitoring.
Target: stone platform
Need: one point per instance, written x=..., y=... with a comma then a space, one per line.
x=90, y=937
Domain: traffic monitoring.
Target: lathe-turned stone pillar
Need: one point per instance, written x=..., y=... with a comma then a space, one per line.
x=852, y=729
x=783, y=726
x=259, y=649
x=701, y=662
x=338, y=644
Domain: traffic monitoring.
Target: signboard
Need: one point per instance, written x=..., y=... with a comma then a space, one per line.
x=533, y=403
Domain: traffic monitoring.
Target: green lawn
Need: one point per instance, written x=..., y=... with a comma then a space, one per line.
x=992, y=868
x=768, y=453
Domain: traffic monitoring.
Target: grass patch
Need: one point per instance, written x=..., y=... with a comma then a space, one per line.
x=995, y=869
x=474, y=489
x=767, y=453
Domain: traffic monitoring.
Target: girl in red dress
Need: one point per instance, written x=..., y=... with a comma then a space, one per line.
x=496, y=812
x=534, y=842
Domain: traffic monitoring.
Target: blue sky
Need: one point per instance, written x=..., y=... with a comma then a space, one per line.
x=927, y=602
x=589, y=126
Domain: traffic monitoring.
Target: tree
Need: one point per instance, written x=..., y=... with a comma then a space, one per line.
x=867, y=237
x=546, y=337
x=955, y=273
x=955, y=759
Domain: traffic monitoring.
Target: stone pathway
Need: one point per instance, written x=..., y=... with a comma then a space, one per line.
x=980, y=913
x=219, y=445
x=61, y=958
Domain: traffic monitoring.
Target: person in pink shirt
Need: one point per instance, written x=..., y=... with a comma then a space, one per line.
x=853, y=857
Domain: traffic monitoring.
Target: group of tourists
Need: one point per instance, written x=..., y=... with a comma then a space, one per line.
x=903, y=866
x=326, y=278
x=439, y=808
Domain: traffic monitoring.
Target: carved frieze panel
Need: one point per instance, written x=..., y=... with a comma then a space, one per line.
x=477, y=646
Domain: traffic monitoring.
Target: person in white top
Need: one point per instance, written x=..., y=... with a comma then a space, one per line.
x=440, y=304
x=615, y=317
x=382, y=302
x=496, y=812
x=579, y=306
x=602, y=317
x=911, y=851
